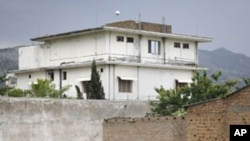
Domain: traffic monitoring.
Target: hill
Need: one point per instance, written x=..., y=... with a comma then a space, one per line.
x=233, y=65
x=8, y=59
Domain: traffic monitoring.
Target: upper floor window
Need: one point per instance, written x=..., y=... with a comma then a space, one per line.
x=185, y=45
x=119, y=38
x=154, y=47
x=130, y=39
x=177, y=44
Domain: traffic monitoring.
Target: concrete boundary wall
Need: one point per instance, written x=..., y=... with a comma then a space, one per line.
x=29, y=119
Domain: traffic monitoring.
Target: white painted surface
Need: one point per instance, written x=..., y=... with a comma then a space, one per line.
x=103, y=47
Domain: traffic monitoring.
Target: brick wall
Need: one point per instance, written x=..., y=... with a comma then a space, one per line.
x=130, y=24
x=145, y=129
x=206, y=121
x=211, y=120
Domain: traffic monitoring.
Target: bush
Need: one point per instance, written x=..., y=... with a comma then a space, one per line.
x=16, y=93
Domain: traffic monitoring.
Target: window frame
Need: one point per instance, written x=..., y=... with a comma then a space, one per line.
x=185, y=45
x=154, y=47
x=125, y=86
x=64, y=77
x=84, y=86
x=179, y=85
x=51, y=75
x=130, y=40
x=177, y=43
x=120, y=38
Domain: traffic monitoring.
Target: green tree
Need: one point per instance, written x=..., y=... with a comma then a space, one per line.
x=201, y=89
x=3, y=88
x=79, y=93
x=246, y=81
x=95, y=88
x=45, y=88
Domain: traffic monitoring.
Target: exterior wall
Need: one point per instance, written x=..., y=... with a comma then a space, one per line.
x=144, y=80
x=103, y=45
x=61, y=120
x=211, y=121
x=145, y=129
x=208, y=121
x=24, y=82
x=32, y=54
x=180, y=55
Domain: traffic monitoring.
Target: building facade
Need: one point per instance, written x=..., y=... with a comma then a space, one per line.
x=132, y=59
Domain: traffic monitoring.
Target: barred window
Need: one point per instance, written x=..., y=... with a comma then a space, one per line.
x=125, y=86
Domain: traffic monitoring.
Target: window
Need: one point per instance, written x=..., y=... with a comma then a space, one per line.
x=125, y=86
x=153, y=47
x=51, y=75
x=177, y=45
x=185, y=45
x=130, y=39
x=119, y=38
x=29, y=76
x=180, y=84
x=64, y=75
x=84, y=86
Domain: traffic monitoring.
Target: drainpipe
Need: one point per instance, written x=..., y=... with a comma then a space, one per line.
x=60, y=79
x=164, y=49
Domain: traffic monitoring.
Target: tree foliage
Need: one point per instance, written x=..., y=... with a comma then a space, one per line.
x=79, y=93
x=201, y=89
x=3, y=88
x=45, y=88
x=94, y=87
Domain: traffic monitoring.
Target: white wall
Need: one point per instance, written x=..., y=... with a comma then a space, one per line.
x=30, y=57
x=77, y=49
x=24, y=82
x=185, y=54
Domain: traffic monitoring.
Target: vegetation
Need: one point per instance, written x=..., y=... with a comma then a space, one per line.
x=3, y=88
x=202, y=88
x=45, y=88
x=79, y=93
x=94, y=87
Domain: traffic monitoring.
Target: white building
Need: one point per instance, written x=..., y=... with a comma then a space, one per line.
x=132, y=58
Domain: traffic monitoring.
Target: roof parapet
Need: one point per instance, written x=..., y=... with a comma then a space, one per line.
x=146, y=26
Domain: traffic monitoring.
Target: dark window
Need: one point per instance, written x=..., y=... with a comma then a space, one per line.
x=51, y=75
x=154, y=47
x=185, y=45
x=119, y=38
x=177, y=45
x=64, y=75
x=180, y=84
x=29, y=76
x=130, y=39
x=125, y=86
x=85, y=86
x=101, y=70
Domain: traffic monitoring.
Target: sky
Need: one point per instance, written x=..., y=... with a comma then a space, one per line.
x=226, y=21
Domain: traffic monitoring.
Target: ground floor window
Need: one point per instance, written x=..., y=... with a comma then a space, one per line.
x=125, y=86
x=85, y=86
x=180, y=84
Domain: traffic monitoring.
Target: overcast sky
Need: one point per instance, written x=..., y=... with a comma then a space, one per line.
x=226, y=21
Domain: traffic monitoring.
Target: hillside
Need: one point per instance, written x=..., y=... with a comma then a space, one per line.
x=233, y=65
x=8, y=59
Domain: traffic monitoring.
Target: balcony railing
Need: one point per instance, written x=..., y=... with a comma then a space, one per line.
x=154, y=60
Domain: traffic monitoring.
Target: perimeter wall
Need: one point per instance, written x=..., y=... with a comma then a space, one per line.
x=28, y=119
